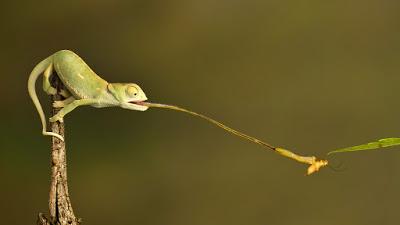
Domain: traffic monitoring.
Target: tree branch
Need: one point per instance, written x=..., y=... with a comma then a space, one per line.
x=60, y=208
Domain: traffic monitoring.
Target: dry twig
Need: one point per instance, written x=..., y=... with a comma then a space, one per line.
x=60, y=208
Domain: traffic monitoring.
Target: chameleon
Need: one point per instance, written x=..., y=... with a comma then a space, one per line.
x=84, y=87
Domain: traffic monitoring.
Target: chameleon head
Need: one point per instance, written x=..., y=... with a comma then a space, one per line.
x=129, y=95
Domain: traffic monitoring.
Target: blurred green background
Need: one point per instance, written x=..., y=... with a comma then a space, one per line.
x=311, y=76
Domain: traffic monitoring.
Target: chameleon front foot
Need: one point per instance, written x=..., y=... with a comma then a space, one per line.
x=58, y=104
x=56, y=118
x=63, y=103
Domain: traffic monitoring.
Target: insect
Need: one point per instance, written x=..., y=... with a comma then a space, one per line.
x=85, y=87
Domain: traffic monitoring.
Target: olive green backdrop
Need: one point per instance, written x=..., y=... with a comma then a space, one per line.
x=310, y=76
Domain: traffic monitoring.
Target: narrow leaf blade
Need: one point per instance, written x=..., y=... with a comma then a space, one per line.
x=382, y=143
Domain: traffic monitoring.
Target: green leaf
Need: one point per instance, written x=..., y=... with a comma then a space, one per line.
x=382, y=143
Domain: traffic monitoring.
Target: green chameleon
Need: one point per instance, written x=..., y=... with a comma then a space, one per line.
x=85, y=87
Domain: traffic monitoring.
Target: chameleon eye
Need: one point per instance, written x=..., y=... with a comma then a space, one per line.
x=131, y=91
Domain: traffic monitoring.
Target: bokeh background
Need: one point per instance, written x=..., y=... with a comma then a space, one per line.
x=311, y=76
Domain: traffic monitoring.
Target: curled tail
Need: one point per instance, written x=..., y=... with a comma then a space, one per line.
x=36, y=72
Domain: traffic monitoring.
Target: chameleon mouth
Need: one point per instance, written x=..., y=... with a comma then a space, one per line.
x=140, y=104
x=137, y=102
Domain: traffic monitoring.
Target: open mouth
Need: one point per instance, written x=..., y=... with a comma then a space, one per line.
x=137, y=102
x=140, y=104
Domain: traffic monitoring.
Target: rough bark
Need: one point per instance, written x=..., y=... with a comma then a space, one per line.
x=60, y=208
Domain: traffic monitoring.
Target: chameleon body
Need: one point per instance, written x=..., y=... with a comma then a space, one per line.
x=83, y=87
